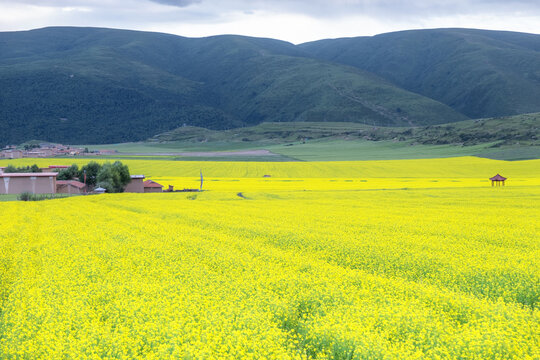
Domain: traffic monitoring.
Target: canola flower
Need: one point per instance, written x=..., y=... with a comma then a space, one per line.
x=297, y=268
x=450, y=168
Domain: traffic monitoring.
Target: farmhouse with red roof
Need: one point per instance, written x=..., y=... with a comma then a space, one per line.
x=152, y=186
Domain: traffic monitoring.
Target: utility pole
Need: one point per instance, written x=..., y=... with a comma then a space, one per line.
x=200, y=189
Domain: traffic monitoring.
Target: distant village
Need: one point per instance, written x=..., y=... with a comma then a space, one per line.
x=45, y=150
x=45, y=182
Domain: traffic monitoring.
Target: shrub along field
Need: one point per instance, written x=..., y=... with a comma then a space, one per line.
x=418, y=259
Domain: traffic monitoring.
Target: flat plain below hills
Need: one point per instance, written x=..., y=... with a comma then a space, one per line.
x=316, y=150
x=503, y=138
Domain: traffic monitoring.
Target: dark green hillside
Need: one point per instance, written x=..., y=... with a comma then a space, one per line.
x=90, y=85
x=476, y=72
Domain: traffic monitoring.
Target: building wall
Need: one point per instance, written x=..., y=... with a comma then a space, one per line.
x=153, y=189
x=68, y=189
x=135, y=186
x=13, y=154
x=33, y=184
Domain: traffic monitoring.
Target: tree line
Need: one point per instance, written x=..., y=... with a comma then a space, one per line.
x=112, y=177
x=22, y=169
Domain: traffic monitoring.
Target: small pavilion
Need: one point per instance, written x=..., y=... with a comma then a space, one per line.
x=497, y=179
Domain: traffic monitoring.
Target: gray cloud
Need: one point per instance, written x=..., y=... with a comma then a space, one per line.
x=302, y=19
x=322, y=8
x=389, y=7
x=178, y=3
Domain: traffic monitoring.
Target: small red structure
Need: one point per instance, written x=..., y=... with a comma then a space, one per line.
x=152, y=186
x=70, y=187
x=497, y=179
x=55, y=168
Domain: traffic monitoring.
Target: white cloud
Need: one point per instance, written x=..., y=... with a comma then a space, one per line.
x=75, y=9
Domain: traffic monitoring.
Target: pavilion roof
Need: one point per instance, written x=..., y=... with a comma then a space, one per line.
x=497, y=178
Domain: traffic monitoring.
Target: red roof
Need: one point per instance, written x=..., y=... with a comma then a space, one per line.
x=75, y=183
x=58, y=166
x=152, y=184
x=42, y=174
x=497, y=178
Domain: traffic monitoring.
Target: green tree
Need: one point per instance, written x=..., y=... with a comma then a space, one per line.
x=70, y=173
x=10, y=169
x=106, y=178
x=113, y=177
x=123, y=173
x=92, y=169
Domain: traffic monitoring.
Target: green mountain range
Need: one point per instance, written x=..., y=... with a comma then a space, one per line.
x=92, y=85
x=479, y=73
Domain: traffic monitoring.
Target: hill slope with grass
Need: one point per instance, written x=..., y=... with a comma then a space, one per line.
x=479, y=73
x=524, y=129
x=509, y=138
x=90, y=85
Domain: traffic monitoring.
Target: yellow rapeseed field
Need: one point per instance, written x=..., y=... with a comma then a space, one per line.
x=413, y=259
x=450, y=168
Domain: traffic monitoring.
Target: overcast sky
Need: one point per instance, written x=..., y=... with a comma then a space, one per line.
x=292, y=20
